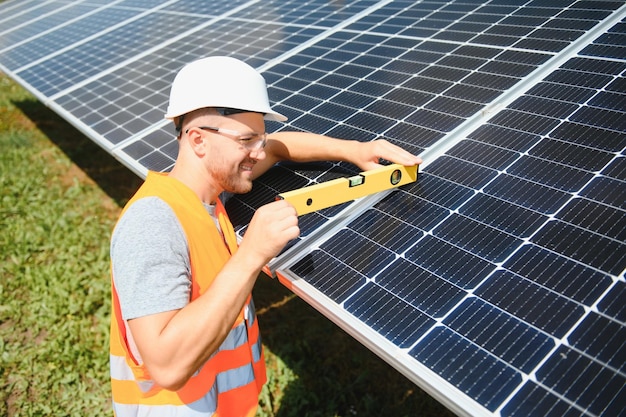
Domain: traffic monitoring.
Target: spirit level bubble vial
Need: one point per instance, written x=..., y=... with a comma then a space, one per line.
x=320, y=196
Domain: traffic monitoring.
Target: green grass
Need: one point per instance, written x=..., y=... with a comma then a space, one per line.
x=60, y=196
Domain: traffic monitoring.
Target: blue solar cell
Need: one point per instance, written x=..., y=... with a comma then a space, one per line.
x=493, y=81
x=516, y=31
x=529, y=57
x=361, y=254
x=532, y=123
x=603, y=339
x=396, y=320
x=565, y=276
x=576, y=78
x=426, y=85
x=483, y=154
x=462, y=268
x=345, y=131
x=138, y=150
x=528, y=194
x=371, y=88
x=353, y=70
x=512, y=69
x=616, y=169
x=505, y=336
x=543, y=106
x=502, y=215
x=422, y=55
x=579, y=244
x=572, y=155
x=459, y=32
x=613, y=303
x=156, y=161
x=585, y=382
x=370, y=122
x=528, y=21
x=195, y=7
x=464, y=62
x=281, y=179
x=541, y=44
x=561, y=92
x=306, y=74
x=290, y=84
x=385, y=230
x=535, y=400
x=413, y=137
x=462, y=172
x=485, y=241
x=618, y=85
x=530, y=302
x=301, y=102
x=606, y=119
x=334, y=111
x=394, y=73
x=606, y=190
x=595, y=66
x=605, y=220
x=454, y=106
x=599, y=138
x=321, y=270
x=610, y=101
x=389, y=109
x=473, y=93
x=439, y=191
x=420, y=288
x=409, y=96
x=511, y=139
x=444, y=73
x=353, y=100
x=556, y=175
x=412, y=210
x=483, y=377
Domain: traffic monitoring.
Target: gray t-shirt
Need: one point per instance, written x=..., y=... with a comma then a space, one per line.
x=150, y=259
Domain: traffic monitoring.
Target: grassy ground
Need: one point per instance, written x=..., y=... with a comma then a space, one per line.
x=60, y=195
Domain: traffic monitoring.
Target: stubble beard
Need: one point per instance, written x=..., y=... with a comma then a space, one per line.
x=235, y=184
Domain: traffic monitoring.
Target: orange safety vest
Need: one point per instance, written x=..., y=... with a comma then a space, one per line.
x=229, y=383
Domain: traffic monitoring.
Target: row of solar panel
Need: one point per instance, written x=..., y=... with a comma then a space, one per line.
x=499, y=262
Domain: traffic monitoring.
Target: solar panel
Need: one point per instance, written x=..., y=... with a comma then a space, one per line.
x=496, y=281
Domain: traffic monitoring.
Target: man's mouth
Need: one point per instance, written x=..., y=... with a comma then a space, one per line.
x=246, y=166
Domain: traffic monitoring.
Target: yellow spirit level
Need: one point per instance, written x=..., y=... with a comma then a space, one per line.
x=337, y=191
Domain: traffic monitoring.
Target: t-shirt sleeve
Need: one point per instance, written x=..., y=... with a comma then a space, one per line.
x=150, y=260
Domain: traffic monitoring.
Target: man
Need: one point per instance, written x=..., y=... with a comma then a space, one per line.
x=184, y=335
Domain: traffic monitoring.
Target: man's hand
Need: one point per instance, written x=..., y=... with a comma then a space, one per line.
x=271, y=228
x=368, y=155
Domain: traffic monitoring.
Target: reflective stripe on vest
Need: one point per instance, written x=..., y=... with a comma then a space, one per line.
x=229, y=382
x=225, y=381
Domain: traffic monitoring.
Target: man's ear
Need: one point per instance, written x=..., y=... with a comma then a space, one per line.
x=197, y=141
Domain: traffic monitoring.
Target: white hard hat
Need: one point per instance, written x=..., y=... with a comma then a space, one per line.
x=221, y=82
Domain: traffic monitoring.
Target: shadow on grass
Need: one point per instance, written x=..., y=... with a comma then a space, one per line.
x=112, y=177
x=336, y=375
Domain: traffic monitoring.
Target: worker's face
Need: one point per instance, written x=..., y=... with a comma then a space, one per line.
x=230, y=163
